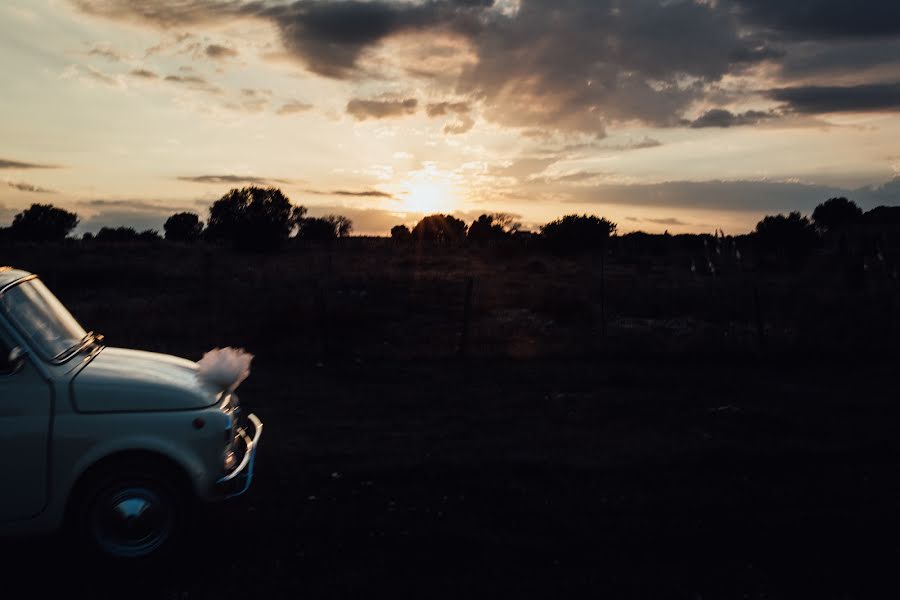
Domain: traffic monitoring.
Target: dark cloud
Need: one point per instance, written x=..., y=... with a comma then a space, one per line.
x=381, y=109
x=231, y=179
x=359, y=193
x=661, y=221
x=578, y=65
x=144, y=74
x=822, y=18
x=439, y=109
x=138, y=213
x=28, y=187
x=872, y=58
x=831, y=99
x=164, y=13
x=667, y=221
x=292, y=108
x=218, y=51
x=330, y=37
x=719, y=117
x=14, y=164
x=106, y=52
x=187, y=79
x=743, y=196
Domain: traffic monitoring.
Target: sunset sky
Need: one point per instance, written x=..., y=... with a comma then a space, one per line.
x=685, y=115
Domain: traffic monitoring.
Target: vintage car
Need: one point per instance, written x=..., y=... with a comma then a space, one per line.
x=116, y=444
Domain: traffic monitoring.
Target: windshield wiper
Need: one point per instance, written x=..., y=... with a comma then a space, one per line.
x=86, y=341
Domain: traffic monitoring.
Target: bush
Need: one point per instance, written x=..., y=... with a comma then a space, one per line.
x=253, y=218
x=183, y=227
x=122, y=235
x=43, y=223
x=574, y=233
x=789, y=237
x=400, y=233
x=439, y=229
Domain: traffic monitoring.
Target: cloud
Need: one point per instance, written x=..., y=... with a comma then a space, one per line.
x=666, y=221
x=381, y=109
x=440, y=109
x=294, y=107
x=28, y=187
x=523, y=167
x=14, y=164
x=641, y=144
x=643, y=60
x=359, y=193
x=822, y=18
x=217, y=51
x=459, y=125
x=832, y=99
x=461, y=121
x=144, y=74
x=88, y=74
x=107, y=52
x=138, y=213
x=576, y=66
x=715, y=195
x=231, y=179
x=719, y=117
x=188, y=79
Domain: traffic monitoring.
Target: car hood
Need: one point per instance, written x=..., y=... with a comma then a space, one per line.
x=117, y=380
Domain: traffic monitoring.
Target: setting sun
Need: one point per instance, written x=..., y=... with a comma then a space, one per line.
x=429, y=197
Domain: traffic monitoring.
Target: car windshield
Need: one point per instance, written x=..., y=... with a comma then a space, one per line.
x=42, y=319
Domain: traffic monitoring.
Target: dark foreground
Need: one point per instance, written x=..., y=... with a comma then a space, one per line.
x=540, y=479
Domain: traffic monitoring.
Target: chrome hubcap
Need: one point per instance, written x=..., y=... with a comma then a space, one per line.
x=131, y=522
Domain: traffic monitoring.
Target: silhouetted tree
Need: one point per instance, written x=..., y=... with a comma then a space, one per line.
x=253, y=218
x=342, y=225
x=487, y=228
x=149, y=235
x=439, y=229
x=317, y=229
x=43, y=223
x=574, y=233
x=400, y=233
x=116, y=234
x=120, y=235
x=835, y=213
x=183, y=227
x=791, y=236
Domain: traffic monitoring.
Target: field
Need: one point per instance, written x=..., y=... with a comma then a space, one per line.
x=653, y=434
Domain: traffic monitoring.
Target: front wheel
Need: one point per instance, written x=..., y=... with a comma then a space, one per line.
x=131, y=512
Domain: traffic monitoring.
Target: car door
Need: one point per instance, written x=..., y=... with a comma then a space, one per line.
x=25, y=413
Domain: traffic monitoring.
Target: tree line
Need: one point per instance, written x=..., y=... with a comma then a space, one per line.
x=250, y=218
x=257, y=218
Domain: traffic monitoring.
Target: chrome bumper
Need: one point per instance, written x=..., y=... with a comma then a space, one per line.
x=238, y=481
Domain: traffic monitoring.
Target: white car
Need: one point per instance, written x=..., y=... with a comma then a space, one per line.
x=117, y=443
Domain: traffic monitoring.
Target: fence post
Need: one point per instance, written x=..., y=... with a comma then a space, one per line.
x=467, y=315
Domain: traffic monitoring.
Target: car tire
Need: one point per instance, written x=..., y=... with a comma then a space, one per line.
x=131, y=511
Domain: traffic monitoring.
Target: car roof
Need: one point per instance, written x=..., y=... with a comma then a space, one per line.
x=10, y=275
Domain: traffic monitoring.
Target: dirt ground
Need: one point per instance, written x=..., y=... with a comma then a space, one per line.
x=541, y=464
x=551, y=479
